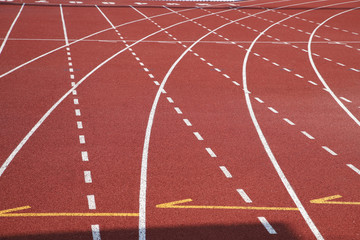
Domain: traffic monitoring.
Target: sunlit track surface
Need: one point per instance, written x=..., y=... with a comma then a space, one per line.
x=155, y=119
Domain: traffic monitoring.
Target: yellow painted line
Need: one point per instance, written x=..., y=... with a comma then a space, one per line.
x=326, y=200
x=175, y=204
x=14, y=209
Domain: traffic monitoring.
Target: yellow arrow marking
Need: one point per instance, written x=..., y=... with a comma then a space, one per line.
x=326, y=200
x=175, y=204
x=6, y=213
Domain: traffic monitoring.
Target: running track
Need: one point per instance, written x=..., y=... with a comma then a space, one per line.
x=179, y=120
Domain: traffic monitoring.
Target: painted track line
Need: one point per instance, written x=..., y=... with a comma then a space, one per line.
x=327, y=88
x=267, y=225
x=64, y=26
x=244, y=196
x=95, y=229
x=354, y=168
x=10, y=29
x=226, y=172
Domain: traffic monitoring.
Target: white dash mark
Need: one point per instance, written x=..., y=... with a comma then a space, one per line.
x=329, y=150
x=202, y=59
x=286, y=69
x=76, y=101
x=68, y=53
x=170, y=100
x=345, y=99
x=73, y=84
x=77, y=112
x=151, y=76
x=343, y=65
x=307, y=135
x=187, y=122
x=178, y=110
x=266, y=59
x=146, y=70
x=276, y=64
x=299, y=76
x=71, y=70
x=79, y=125
x=312, y=83
x=85, y=156
x=163, y=91
x=218, y=70
x=138, y=59
x=354, y=69
x=196, y=54
x=69, y=58
x=70, y=64
x=353, y=168
x=87, y=176
x=209, y=64
x=226, y=172
x=288, y=121
x=328, y=59
x=72, y=76
x=273, y=110
x=267, y=225
x=212, y=154
x=141, y=64
x=198, y=136
x=256, y=54
x=157, y=83
x=95, y=229
x=236, y=83
x=225, y=75
x=259, y=100
x=82, y=139
x=91, y=202
x=74, y=92
x=244, y=195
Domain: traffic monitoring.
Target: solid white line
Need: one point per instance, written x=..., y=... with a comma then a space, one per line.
x=288, y=121
x=212, y=154
x=87, y=176
x=259, y=100
x=178, y=110
x=307, y=135
x=329, y=150
x=244, y=195
x=91, y=202
x=64, y=26
x=10, y=29
x=345, y=99
x=82, y=139
x=226, y=172
x=198, y=136
x=105, y=17
x=353, y=168
x=187, y=122
x=77, y=112
x=95, y=229
x=318, y=73
x=170, y=100
x=85, y=156
x=79, y=124
x=267, y=225
x=273, y=110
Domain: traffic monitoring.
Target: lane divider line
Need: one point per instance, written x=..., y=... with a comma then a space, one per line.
x=226, y=172
x=267, y=225
x=244, y=196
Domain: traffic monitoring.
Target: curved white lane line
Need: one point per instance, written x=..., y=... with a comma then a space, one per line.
x=267, y=148
x=10, y=29
x=81, y=39
x=46, y=115
x=328, y=89
x=144, y=161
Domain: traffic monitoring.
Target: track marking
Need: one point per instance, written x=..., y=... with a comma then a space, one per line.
x=170, y=100
x=244, y=196
x=353, y=168
x=259, y=100
x=187, y=122
x=273, y=110
x=82, y=139
x=76, y=101
x=178, y=110
x=91, y=202
x=226, y=172
x=329, y=150
x=345, y=99
x=64, y=26
x=85, y=156
x=77, y=112
x=10, y=29
x=211, y=153
x=95, y=229
x=79, y=125
x=307, y=135
x=267, y=225
x=198, y=136
x=87, y=176
x=312, y=83
x=299, y=76
x=236, y=83
x=326, y=200
x=288, y=121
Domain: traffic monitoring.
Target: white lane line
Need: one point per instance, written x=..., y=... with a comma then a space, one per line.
x=267, y=225
x=91, y=202
x=307, y=135
x=259, y=100
x=202, y=59
x=64, y=26
x=244, y=195
x=209, y=64
x=82, y=139
x=299, y=76
x=178, y=110
x=146, y=70
x=70, y=64
x=273, y=110
x=338, y=63
x=74, y=92
x=85, y=156
x=198, y=136
x=210, y=151
x=187, y=122
x=353, y=168
x=151, y=76
x=73, y=84
x=71, y=70
x=76, y=101
x=288, y=121
x=79, y=125
x=276, y=64
x=68, y=53
x=328, y=59
x=72, y=76
x=329, y=150
x=354, y=69
x=170, y=100
x=286, y=69
x=226, y=172
x=312, y=83
x=87, y=177
x=157, y=83
x=105, y=17
x=10, y=29
x=77, y=112
x=345, y=99
x=236, y=83
x=225, y=75
x=218, y=70
x=95, y=229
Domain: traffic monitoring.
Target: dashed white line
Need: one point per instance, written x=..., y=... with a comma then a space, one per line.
x=273, y=110
x=286, y=69
x=259, y=100
x=178, y=110
x=298, y=75
x=244, y=195
x=170, y=100
x=218, y=70
x=226, y=172
x=354, y=69
x=328, y=59
x=267, y=225
x=85, y=156
x=79, y=125
x=307, y=135
x=82, y=139
x=157, y=83
x=276, y=64
x=91, y=202
x=288, y=121
x=312, y=83
x=353, y=168
x=95, y=229
x=211, y=153
x=72, y=76
x=151, y=76
x=329, y=150
x=77, y=112
x=87, y=176
x=343, y=65
x=76, y=101
x=225, y=75
x=236, y=83
x=198, y=136
x=187, y=122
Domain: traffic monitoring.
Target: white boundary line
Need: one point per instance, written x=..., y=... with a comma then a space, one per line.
x=64, y=26
x=327, y=88
x=11, y=27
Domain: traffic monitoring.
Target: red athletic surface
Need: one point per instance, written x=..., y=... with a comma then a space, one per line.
x=115, y=102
